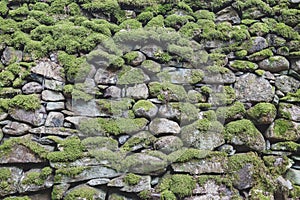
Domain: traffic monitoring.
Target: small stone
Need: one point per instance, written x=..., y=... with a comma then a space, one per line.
x=168, y=144
x=16, y=128
x=164, y=126
x=293, y=175
x=227, y=149
x=54, y=85
x=95, y=193
x=151, y=50
x=54, y=119
x=145, y=108
x=55, y=106
x=11, y=55
x=75, y=120
x=295, y=65
x=139, y=59
x=228, y=14
x=139, y=91
x=104, y=76
x=274, y=64
x=32, y=87
x=143, y=184
x=98, y=181
x=59, y=131
x=255, y=44
x=287, y=84
x=113, y=92
x=48, y=95
x=289, y=111
x=282, y=129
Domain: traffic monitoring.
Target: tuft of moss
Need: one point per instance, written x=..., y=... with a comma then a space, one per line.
x=131, y=179
x=285, y=130
x=130, y=24
x=242, y=65
x=262, y=113
x=292, y=97
x=37, y=178
x=27, y=102
x=130, y=56
x=70, y=172
x=237, y=110
x=84, y=192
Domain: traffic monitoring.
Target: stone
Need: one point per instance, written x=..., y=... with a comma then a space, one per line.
x=228, y=14
x=55, y=106
x=104, y=76
x=151, y=50
x=139, y=141
x=275, y=40
x=293, y=175
x=287, y=84
x=85, y=108
x=139, y=91
x=131, y=75
x=59, y=131
x=151, y=66
x=294, y=1
x=10, y=177
x=98, y=181
x=295, y=65
x=9, y=92
x=54, y=85
x=181, y=76
x=143, y=184
x=35, y=118
x=255, y=44
x=87, y=173
x=262, y=113
x=145, y=108
x=54, y=119
x=274, y=64
x=49, y=70
x=203, y=134
x=226, y=77
x=142, y=163
x=113, y=92
x=3, y=116
x=139, y=59
x=282, y=129
x=10, y=55
x=59, y=190
x=48, y=95
x=87, y=193
x=227, y=148
x=75, y=120
x=289, y=111
x=244, y=177
x=164, y=126
x=35, y=180
x=32, y=87
x=16, y=128
x=251, y=88
x=168, y=144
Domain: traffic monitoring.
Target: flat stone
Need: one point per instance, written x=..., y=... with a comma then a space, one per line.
x=113, y=92
x=290, y=132
x=49, y=70
x=35, y=118
x=274, y=64
x=255, y=44
x=55, y=106
x=48, y=95
x=139, y=91
x=293, y=175
x=143, y=184
x=52, y=131
x=32, y=87
x=16, y=128
x=181, y=76
x=149, y=110
x=287, y=84
x=244, y=177
x=55, y=119
x=295, y=65
x=75, y=120
x=251, y=88
x=86, y=108
x=164, y=126
x=289, y=111
x=98, y=181
x=54, y=85
x=227, y=77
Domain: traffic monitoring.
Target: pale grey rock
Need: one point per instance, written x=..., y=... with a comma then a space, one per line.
x=11, y=55
x=143, y=184
x=132, y=76
x=104, y=76
x=98, y=181
x=54, y=119
x=32, y=87
x=98, y=194
x=203, y=166
x=52, y=131
x=293, y=175
x=227, y=148
x=3, y=116
x=228, y=14
x=287, y=84
x=35, y=118
x=12, y=181
x=48, y=95
x=113, y=92
x=168, y=144
x=149, y=110
x=54, y=85
x=295, y=65
x=31, y=187
x=244, y=177
x=151, y=66
x=181, y=76
x=251, y=88
x=164, y=126
x=75, y=120
x=275, y=40
x=227, y=77
x=168, y=111
x=294, y=1
x=274, y=64
x=139, y=59
x=55, y=106
x=151, y=50
x=139, y=91
x=15, y=128
x=49, y=70
x=85, y=108
x=255, y=44
x=62, y=188
x=289, y=111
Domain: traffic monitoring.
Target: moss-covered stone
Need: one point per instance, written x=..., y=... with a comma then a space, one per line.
x=167, y=91
x=37, y=178
x=81, y=192
x=17, y=198
x=91, y=143
x=129, y=75
x=140, y=140
x=131, y=179
x=283, y=130
x=235, y=111
x=262, y=113
x=69, y=172
x=241, y=65
x=277, y=165
x=292, y=97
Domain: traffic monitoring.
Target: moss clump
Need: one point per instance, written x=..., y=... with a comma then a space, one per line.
x=143, y=104
x=115, y=107
x=167, y=195
x=100, y=142
x=176, y=21
x=72, y=150
x=286, y=146
x=241, y=53
x=260, y=72
x=276, y=165
x=5, y=174
x=292, y=97
x=132, y=179
x=167, y=91
x=145, y=194
x=179, y=184
x=185, y=155
x=142, y=139
x=259, y=29
x=286, y=31
x=78, y=92
x=130, y=24
x=157, y=21
x=262, y=113
x=69, y=172
x=129, y=75
x=37, y=178
x=17, y=198
x=130, y=56
x=237, y=110
x=285, y=130
x=84, y=192
x=242, y=65
x=145, y=17
x=6, y=78
x=283, y=111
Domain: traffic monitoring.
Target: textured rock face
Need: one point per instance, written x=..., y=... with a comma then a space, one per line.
x=49, y=69
x=35, y=118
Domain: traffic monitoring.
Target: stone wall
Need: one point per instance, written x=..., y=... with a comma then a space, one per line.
x=150, y=99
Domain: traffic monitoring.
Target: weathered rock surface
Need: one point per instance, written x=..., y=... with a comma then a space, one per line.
x=49, y=95
x=139, y=91
x=287, y=84
x=32, y=87
x=275, y=64
x=164, y=126
x=10, y=177
x=49, y=69
x=289, y=111
x=54, y=119
x=143, y=184
x=15, y=128
x=35, y=118
x=168, y=144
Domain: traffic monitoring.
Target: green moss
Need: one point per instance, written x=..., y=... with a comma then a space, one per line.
x=130, y=56
x=143, y=139
x=286, y=146
x=262, y=113
x=259, y=29
x=260, y=72
x=274, y=167
x=69, y=172
x=72, y=150
x=157, y=21
x=145, y=17
x=145, y=195
x=284, y=130
x=5, y=174
x=243, y=65
x=130, y=75
x=6, y=78
x=143, y=104
x=286, y=31
x=100, y=142
x=241, y=53
x=283, y=111
x=295, y=193
x=167, y=91
x=17, y=198
x=84, y=192
x=230, y=112
x=180, y=184
x=3, y=8
x=37, y=178
x=292, y=97
x=167, y=195
x=190, y=29
x=27, y=102
x=185, y=155
x=130, y=24
x=215, y=69
x=131, y=179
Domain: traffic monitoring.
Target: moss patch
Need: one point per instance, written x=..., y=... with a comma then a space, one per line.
x=285, y=130
x=131, y=179
x=37, y=178
x=262, y=113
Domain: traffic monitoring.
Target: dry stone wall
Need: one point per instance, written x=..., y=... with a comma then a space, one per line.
x=150, y=99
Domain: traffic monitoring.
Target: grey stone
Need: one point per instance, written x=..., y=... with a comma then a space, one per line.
x=227, y=148
x=3, y=116
x=11, y=55
x=131, y=75
x=54, y=119
x=49, y=70
x=170, y=112
x=75, y=120
x=289, y=111
x=16, y=128
x=145, y=108
x=181, y=76
x=244, y=177
x=139, y=91
x=251, y=88
x=143, y=184
x=60, y=190
x=52, y=131
x=164, y=126
x=275, y=40
x=98, y=181
x=255, y=44
x=35, y=118
x=55, y=106
x=49, y=95
x=227, y=77
x=168, y=144
x=139, y=59
x=287, y=84
x=27, y=185
x=54, y=85
x=12, y=180
x=32, y=87
x=228, y=14
x=98, y=194
x=151, y=66
x=113, y=92
x=274, y=64
x=151, y=50
x=295, y=65
x=289, y=133
x=293, y=175
x=1, y=135
x=104, y=76
x=86, y=108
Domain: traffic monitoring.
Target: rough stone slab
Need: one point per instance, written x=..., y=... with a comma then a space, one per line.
x=48, y=95
x=143, y=184
x=49, y=69
x=35, y=118
x=15, y=128
x=52, y=131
